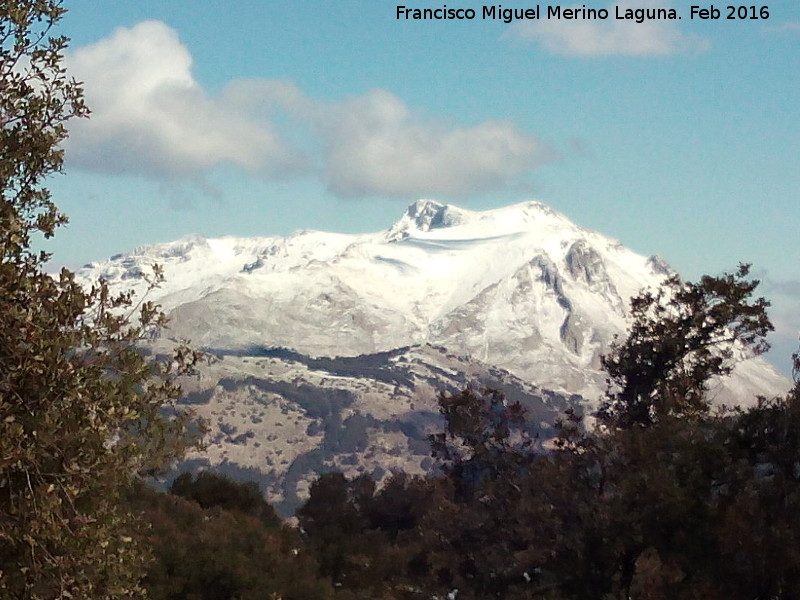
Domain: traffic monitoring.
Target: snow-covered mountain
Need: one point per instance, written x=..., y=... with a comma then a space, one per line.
x=520, y=287
x=512, y=295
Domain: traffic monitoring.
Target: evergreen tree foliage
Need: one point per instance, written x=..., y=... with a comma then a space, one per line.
x=210, y=489
x=682, y=336
x=367, y=540
x=663, y=499
x=214, y=552
x=334, y=519
x=482, y=431
x=80, y=406
x=759, y=500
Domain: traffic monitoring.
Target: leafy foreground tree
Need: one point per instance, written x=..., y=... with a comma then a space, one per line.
x=367, y=541
x=682, y=336
x=759, y=507
x=661, y=473
x=80, y=406
x=214, y=539
x=211, y=489
x=664, y=499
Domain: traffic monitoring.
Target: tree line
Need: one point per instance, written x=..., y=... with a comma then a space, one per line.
x=660, y=497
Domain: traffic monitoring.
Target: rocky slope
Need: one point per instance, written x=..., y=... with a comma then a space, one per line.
x=517, y=297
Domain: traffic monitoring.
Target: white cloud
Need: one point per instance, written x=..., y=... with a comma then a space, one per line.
x=150, y=116
x=374, y=144
x=787, y=27
x=609, y=37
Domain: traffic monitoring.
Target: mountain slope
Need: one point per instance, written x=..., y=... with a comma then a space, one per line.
x=280, y=417
x=519, y=287
x=327, y=350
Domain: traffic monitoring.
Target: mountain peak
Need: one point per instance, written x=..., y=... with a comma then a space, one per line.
x=442, y=220
x=425, y=215
x=520, y=286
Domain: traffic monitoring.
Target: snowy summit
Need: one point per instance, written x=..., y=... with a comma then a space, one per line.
x=519, y=287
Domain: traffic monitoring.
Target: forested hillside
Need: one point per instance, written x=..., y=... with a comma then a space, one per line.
x=662, y=497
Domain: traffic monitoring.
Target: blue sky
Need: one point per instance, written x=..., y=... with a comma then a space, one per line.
x=679, y=138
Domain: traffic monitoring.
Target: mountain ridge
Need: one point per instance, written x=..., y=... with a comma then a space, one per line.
x=513, y=286
x=327, y=350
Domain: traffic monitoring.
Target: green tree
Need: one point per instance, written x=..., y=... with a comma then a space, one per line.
x=682, y=335
x=223, y=553
x=335, y=522
x=483, y=435
x=633, y=509
x=493, y=527
x=659, y=472
x=212, y=489
x=760, y=501
x=81, y=408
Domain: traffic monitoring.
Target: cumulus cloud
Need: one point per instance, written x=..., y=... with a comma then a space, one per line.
x=374, y=144
x=610, y=37
x=150, y=116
